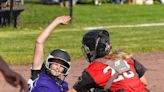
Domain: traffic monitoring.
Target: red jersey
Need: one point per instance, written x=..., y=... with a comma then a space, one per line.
x=128, y=81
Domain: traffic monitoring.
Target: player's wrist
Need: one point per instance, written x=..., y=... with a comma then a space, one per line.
x=34, y=74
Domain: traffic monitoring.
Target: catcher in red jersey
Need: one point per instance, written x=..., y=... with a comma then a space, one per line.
x=109, y=71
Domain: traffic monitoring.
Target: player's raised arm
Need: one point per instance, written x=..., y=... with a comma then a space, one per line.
x=38, y=52
x=39, y=49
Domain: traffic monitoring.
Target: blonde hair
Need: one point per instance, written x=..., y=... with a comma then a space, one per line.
x=119, y=53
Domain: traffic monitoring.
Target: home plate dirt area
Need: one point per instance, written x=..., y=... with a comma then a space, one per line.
x=153, y=61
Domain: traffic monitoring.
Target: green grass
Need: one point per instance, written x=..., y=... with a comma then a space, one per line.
x=38, y=16
x=16, y=45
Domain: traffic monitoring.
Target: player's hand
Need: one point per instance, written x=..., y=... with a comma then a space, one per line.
x=63, y=19
x=15, y=79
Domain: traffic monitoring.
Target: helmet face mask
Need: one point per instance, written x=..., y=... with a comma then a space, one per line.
x=57, y=69
x=87, y=53
x=61, y=59
x=98, y=43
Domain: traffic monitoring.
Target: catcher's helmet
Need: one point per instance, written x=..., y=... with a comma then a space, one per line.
x=95, y=44
x=61, y=55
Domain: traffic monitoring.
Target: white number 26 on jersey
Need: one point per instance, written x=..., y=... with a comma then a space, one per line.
x=128, y=74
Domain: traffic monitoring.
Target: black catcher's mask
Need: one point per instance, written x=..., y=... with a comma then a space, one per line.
x=95, y=44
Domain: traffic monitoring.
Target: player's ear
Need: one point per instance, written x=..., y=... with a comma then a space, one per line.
x=110, y=46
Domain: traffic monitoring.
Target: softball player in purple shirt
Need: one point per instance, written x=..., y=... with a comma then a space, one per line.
x=49, y=76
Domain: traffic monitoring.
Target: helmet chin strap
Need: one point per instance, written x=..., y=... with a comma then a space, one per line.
x=55, y=74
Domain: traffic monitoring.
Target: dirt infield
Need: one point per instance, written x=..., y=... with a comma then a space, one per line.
x=154, y=62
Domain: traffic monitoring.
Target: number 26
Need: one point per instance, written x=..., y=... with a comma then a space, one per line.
x=128, y=74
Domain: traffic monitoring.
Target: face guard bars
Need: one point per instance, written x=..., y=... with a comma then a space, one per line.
x=48, y=63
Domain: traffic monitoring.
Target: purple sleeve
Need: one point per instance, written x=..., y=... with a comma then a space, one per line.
x=41, y=89
x=65, y=86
